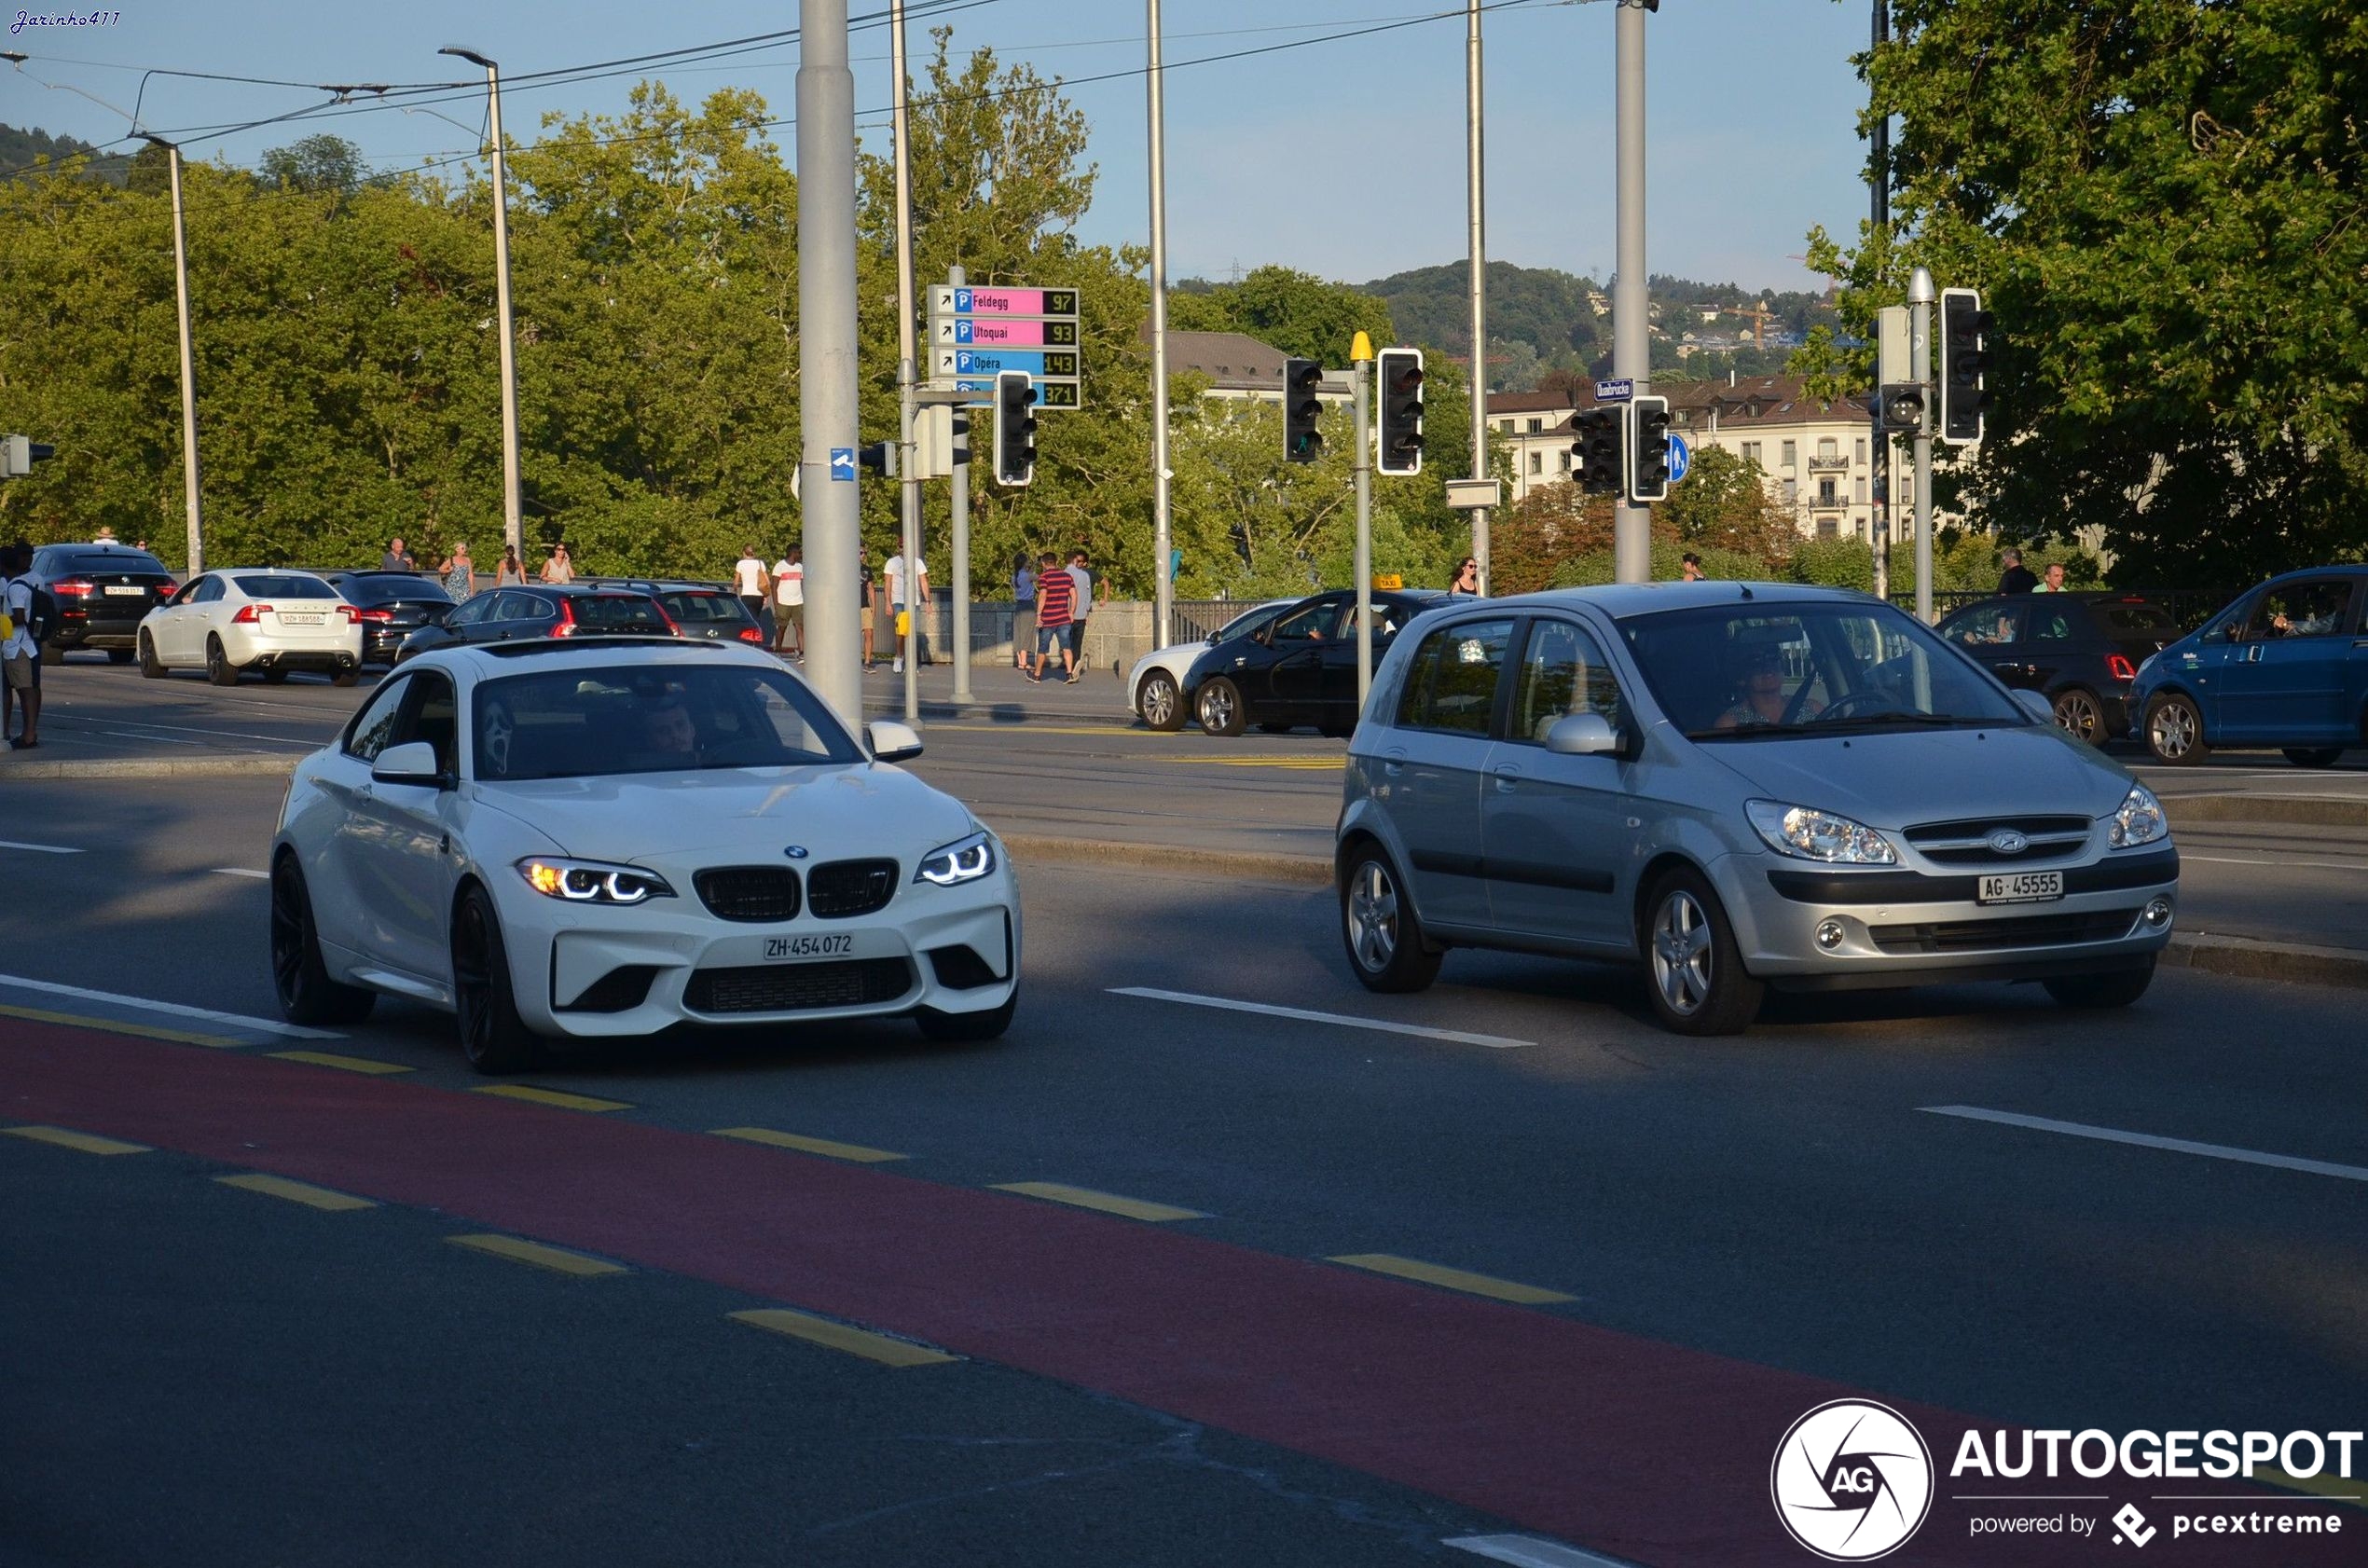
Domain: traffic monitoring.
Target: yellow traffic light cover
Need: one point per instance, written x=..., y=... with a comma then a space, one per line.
x=1360, y=349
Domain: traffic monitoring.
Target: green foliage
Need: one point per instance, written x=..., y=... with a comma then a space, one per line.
x=2160, y=199
x=38, y=153
x=1297, y=312
x=1722, y=503
x=1836, y=563
x=1536, y=306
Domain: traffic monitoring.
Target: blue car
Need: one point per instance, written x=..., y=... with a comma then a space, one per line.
x=2285, y=666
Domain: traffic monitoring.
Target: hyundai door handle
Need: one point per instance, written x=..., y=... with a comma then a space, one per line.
x=1507, y=779
x=1393, y=762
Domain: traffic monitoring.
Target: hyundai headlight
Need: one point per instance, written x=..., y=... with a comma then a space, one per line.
x=965, y=860
x=2140, y=820
x=1808, y=835
x=591, y=881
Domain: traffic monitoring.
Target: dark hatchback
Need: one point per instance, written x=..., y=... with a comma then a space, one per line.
x=391, y=605
x=546, y=610
x=2081, y=651
x=707, y=611
x=103, y=591
x=1299, y=668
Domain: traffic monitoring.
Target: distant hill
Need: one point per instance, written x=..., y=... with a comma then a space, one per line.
x=19, y=148
x=1539, y=306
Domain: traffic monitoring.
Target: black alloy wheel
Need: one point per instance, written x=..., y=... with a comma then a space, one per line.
x=493, y=1038
x=150, y=665
x=306, y=993
x=219, y=668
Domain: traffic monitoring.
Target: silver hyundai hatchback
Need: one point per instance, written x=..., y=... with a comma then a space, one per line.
x=1739, y=785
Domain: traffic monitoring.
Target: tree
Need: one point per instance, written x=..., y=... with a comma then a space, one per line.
x=1294, y=312
x=2160, y=199
x=1722, y=503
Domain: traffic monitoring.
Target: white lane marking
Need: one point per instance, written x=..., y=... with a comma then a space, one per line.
x=2148, y=1140
x=199, y=729
x=2272, y=861
x=152, y=739
x=1424, y=1031
x=1531, y=1551
x=269, y=1026
x=241, y=871
x=38, y=848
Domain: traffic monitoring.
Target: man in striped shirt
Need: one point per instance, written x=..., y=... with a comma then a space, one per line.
x=1055, y=605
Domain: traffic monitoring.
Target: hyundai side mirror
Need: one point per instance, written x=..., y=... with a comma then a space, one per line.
x=1583, y=735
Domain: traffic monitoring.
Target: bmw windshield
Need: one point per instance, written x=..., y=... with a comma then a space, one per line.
x=1756, y=670
x=578, y=723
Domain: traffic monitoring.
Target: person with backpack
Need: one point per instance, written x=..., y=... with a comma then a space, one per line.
x=30, y=616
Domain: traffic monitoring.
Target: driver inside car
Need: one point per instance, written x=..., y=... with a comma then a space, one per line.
x=667, y=732
x=1759, y=687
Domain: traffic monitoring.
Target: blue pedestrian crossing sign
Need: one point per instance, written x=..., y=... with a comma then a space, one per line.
x=843, y=463
x=1681, y=458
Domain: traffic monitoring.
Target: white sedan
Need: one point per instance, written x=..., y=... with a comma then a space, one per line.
x=556, y=838
x=1155, y=686
x=274, y=622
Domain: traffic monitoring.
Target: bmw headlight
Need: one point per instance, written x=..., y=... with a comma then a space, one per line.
x=591, y=881
x=965, y=860
x=1808, y=835
x=2140, y=820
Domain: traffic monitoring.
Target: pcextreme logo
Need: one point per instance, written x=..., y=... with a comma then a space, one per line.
x=1852, y=1480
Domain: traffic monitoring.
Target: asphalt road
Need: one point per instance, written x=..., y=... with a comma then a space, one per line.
x=1702, y=1239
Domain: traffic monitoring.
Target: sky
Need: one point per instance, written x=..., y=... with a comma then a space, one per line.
x=1340, y=156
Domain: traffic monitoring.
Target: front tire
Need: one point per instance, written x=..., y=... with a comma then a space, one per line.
x=1220, y=707
x=1380, y=929
x=219, y=668
x=2079, y=715
x=307, y=995
x=150, y=665
x=2314, y=756
x=1159, y=701
x=493, y=1038
x=2097, y=991
x=968, y=1028
x=2175, y=731
x=1698, y=982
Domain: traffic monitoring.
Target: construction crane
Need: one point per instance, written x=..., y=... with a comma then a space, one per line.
x=1758, y=315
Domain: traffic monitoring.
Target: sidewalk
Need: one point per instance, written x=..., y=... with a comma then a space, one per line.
x=1001, y=695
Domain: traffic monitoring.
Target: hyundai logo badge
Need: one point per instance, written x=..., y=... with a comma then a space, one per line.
x=797, y=851
x=2005, y=841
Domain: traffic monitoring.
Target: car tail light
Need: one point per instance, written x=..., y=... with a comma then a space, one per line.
x=752, y=634
x=376, y=616
x=250, y=613
x=566, y=620
x=74, y=587
x=2119, y=668
x=673, y=628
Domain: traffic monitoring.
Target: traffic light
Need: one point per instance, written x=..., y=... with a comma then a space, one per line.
x=1014, y=427
x=1301, y=441
x=1399, y=372
x=879, y=456
x=1965, y=328
x=1648, y=449
x=1903, y=408
x=18, y=453
x=1598, y=448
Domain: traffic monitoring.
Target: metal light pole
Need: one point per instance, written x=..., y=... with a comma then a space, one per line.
x=1360, y=355
x=189, y=364
x=961, y=539
x=511, y=532
x=907, y=369
x=1919, y=356
x=1162, y=580
x=1879, y=215
x=826, y=355
x=1474, y=209
x=1631, y=334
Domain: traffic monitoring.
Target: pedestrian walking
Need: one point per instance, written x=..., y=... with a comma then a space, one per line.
x=510, y=571
x=908, y=597
x=788, y=604
x=560, y=568
x=750, y=581
x=1056, y=598
x=1023, y=609
x=1467, y=582
x=867, y=597
x=2015, y=579
x=21, y=652
x=1083, y=576
x=460, y=573
x=397, y=559
x=1689, y=568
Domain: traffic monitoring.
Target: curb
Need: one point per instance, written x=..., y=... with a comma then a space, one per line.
x=2250, y=958
x=2313, y=811
x=1303, y=869
x=155, y=767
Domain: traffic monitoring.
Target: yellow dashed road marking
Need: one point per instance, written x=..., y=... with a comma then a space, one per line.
x=807, y=1145
x=348, y=1063
x=838, y=1336
x=1303, y=764
x=1451, y=1279
x=1108, y=1203
x=89, y=1143
x=117, y=1026
x=297, y=1191
x=519, y=1250
x=558, y=1097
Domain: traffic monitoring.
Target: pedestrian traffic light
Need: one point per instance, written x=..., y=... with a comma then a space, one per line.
x=1301, y=441
x=1014, y=427
x=1399, y=372
x=18, y=453
x=1966, y=330
x=879, y=456
x=1598, y=448
x=1648, y=449
x=1903, y=408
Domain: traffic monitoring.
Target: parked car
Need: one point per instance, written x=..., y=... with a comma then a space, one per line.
x=598, y=838
x=2079, y=651
x=392, y=605
x=545, y=610
x=270, y=621
x=1155, y=686
x=2286, y=666
x=703, y=612
x=1299, y=668
x=103, y=591
x=1737, y=786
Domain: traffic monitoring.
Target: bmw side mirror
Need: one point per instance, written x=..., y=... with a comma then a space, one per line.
x=892, y=742
x=2041, y=711
x=1582, y=734
x=412, y=762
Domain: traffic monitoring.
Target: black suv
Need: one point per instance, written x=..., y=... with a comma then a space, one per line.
x=103, y=593
x=2079, y=651
x=709, y=610
x=545, y=610
x=392, y=606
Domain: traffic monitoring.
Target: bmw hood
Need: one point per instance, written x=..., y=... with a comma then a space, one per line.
x=1894, y=780
x=831, y=812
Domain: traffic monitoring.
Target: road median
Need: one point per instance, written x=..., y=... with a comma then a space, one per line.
x=17, y=765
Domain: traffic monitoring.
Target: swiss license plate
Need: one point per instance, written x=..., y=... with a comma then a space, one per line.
x=2021, y=886
x=129, y=590
x=790, y=950
x=300, y=620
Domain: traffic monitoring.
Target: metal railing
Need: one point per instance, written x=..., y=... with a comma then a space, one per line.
x=2188, y=608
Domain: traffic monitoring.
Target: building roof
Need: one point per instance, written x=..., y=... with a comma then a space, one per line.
x=1746, y=401
x=1234, y=361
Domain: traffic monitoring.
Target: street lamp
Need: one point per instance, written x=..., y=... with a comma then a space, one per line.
x=189, y=369
x=510, y=528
